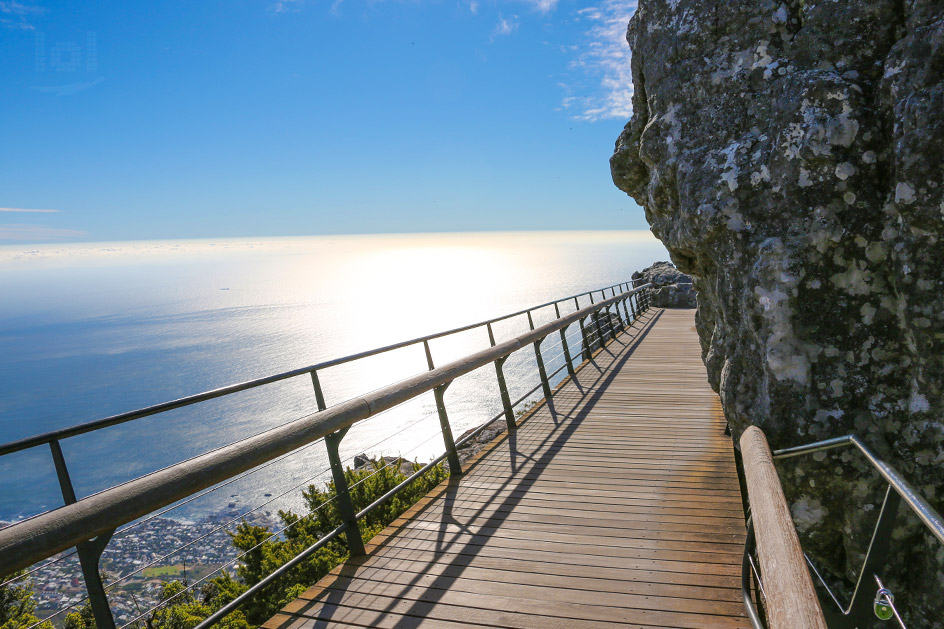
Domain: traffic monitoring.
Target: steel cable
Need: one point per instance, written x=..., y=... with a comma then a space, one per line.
x=238, y=557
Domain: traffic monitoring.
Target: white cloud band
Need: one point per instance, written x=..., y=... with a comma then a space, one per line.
x=16, y=209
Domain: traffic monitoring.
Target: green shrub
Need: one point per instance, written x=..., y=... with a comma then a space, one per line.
x=186, y=610
x=366, y=485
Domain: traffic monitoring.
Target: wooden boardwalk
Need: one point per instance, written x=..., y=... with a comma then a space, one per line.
x=616, y=505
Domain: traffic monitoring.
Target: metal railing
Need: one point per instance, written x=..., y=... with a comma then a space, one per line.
x=866, y=603
x=89, y=523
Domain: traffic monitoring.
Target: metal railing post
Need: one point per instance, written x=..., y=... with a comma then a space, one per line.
x=861, y=608
x=596, y=321
x=352, y=533
x=90, y=552
x=505, y=398
x=619, y=315
x=625, y=314
x=455, y=467
x=603, y=317
x=319, y=396
x=429, y=355
x=545, y=384
x=609, y=323
x=624, y=320
x=563, y=335
x=540, y=360
x=585, y=350
x=747, y=563
x=585, y=339
x=502, y=387
x=609, y=313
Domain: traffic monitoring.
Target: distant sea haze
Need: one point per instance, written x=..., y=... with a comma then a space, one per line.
x=91, y=330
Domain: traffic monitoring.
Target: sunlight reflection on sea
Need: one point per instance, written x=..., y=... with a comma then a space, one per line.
x=92, y=330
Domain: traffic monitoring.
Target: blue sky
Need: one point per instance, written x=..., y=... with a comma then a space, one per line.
x=290, y=117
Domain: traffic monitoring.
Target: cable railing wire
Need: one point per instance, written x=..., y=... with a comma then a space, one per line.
x=163, y=603
x=192, y=586
x=177, y=550
x=218, y=529
x=72, y=431
x=216, y=487
x=862, y=605
x=823, y=582
x=602, y=324
x=37, y=568
x=264, y=504
x=482, y=427
x=335, y=531
x=221, y=527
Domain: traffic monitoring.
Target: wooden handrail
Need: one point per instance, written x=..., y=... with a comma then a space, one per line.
x=791, y=599
x=29, y=541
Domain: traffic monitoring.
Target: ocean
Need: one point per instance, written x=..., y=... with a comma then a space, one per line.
x=91, y=330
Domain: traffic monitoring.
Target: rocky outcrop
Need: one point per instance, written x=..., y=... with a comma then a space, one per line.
x=405, y=467
x=670, y=287
x=789, y=155
x=473, y=446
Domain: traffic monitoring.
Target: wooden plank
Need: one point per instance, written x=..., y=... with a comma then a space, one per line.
x=625, y=581
x=617, y=504
x=549, y=553
x=575, y=491
x=537, y=495
x=544, y=496
x=583, y=535
x=550, y=589
x=499, y=611
x=539, y=565
x=620, y=531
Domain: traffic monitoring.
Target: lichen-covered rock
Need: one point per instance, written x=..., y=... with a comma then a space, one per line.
x=670, y=287
x=790, y=155
x=675, y=296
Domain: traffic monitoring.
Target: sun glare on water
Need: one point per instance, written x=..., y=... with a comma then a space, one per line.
x=98, y=329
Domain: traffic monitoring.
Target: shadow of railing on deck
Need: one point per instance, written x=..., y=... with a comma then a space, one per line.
x=323, y=605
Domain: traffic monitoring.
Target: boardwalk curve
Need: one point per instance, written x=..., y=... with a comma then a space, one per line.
x=616, y=504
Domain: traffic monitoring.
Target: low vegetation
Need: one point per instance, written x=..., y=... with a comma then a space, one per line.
x=264, y=551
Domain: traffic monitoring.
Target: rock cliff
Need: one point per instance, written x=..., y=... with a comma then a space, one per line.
x=670, y=287
x=790, y=155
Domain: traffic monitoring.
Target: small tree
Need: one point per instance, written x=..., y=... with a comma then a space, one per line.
x=366, y=485
x=186, y=610
x=82, y=619
x=17, y=606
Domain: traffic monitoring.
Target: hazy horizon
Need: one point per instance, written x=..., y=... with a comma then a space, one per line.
x=93, y=330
